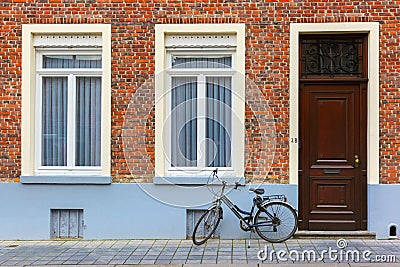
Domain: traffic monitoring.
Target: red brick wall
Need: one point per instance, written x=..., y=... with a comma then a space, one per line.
x=267, y=64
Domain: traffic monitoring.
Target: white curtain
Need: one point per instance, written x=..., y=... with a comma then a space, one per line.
x=88, y=121
x=183, y=62
x=54, y=121
x=56, y=151
x=219, y=117
x=184, y=122
x=71, y=61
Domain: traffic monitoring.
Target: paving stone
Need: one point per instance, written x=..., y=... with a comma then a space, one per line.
x=163, y=261
x=147, y=261
x=120, y=261
x=132, y=261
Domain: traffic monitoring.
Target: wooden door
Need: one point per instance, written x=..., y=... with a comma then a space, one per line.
x=332, y=189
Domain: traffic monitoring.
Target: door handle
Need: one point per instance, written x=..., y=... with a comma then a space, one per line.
x=356, y=160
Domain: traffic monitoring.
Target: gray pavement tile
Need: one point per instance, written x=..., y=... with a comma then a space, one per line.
x=86, y=262
x=195, y=257
x=182, y=253
x=119, y=261
x=71, y=262
x=124, y=253
x=121, y=257
x=10, y=263
x=208, y=262
x=193, y=262
x=163, y=261
x=242, y=261
x=167, y=253
x=57, y=262
x=178, y=261
x=147, y=261
x=150, y=257
x=132, y=261
x=223, y=261
x=165, y=257
x=180, y=257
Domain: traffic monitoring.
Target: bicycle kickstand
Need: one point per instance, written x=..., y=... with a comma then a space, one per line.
x=248, y=246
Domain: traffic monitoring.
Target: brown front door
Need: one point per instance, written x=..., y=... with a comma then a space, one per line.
x=333, y=160
x=333, y=188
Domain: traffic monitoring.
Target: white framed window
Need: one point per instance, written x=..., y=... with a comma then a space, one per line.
x=66, y=104
x=199, y=101
x=68, y=108
x=199, y=107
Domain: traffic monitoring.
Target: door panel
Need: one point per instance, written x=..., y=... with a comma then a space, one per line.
x=332, y=133
x=332, y=128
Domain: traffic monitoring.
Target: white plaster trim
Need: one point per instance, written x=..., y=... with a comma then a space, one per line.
x=372, y=28
x=67, y=40
x=29, y=86
x=200, y=40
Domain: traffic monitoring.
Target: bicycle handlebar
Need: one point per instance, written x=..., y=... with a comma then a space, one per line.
x=236, y=184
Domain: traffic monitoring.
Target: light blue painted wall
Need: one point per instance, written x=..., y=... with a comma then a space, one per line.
x=114, y=211
x=383, y=208
x=131, y=211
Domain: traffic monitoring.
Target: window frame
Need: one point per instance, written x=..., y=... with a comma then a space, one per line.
x=71, y=74
x=201, y=75
x=162, y=175
x=29, y=97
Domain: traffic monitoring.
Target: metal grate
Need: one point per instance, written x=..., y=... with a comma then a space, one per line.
x=332, y=57
x=66, y=223
x=192, y=216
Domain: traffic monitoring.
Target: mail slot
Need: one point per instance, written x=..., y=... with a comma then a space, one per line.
x=332, y=171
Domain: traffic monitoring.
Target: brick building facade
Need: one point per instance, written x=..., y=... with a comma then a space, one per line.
x=268, y=29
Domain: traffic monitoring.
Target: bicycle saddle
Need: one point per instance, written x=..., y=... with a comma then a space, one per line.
x=258, y=191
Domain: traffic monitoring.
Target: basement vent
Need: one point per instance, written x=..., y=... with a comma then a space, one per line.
x=192, y=216
x=66, y=223
x=393, y=231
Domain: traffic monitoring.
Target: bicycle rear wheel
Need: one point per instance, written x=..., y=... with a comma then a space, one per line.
x=206, y=225
x=276, y=222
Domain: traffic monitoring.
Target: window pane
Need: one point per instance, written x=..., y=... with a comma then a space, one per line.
x=88, y=121
x=218, y=126
x=184, y=62
x=54, y=121
x=184, y=122
x=71, y=61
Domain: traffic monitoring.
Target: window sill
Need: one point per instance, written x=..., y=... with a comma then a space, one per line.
x=71, y=180
x=194, y=180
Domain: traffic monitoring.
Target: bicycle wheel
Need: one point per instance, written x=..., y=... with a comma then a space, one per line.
x=276, y=222
x=206, y=225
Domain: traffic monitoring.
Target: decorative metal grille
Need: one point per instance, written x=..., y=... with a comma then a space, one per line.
x=327, y=57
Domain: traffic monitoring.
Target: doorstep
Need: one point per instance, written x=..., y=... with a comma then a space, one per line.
x=335, y=234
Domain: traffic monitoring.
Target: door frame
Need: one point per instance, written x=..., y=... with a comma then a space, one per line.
x=372, y=29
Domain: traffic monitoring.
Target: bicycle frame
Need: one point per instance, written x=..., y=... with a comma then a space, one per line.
x=238, y=212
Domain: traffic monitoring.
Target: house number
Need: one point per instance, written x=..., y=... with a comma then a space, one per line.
x=293, y=140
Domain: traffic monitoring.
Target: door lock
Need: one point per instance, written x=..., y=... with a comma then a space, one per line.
x=356, y=160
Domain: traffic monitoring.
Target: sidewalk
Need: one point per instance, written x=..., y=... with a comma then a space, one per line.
x=183, y=252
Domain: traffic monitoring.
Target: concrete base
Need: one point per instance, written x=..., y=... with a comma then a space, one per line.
x=335, y=234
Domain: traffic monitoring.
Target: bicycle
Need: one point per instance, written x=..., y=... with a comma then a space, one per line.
x=274, y=221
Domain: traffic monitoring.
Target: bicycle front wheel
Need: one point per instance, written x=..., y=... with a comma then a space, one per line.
x=276, y=222
x=206, y=225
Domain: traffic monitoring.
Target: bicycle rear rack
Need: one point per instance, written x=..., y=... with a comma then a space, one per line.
x=275, y=197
